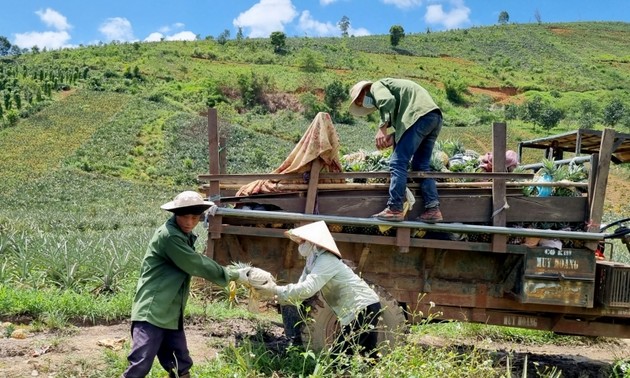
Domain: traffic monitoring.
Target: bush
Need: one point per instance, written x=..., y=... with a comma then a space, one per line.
x=455, y=90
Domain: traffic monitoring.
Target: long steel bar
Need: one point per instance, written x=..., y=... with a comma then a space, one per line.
x=349, y=175
x=447, y=227
x=576, y=160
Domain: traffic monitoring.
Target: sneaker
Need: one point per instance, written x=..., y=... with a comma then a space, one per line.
x=390, y=215
x=431, y=215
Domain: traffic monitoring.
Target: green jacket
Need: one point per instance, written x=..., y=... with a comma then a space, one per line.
x=401, y=103
x=165, y=274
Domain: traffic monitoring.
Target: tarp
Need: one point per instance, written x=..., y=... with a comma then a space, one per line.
x=319, y=141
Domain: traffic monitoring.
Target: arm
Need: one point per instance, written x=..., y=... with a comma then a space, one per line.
x=382, y=140
x=311, y=283
x=386, y=104
x=195, y=264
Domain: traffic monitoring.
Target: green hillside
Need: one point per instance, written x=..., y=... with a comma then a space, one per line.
x=131, y=112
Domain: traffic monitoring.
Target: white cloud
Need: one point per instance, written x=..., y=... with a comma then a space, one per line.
x=154, y=37
x=403, y=4
x=315, y=28
x=168, y=28
x=182, y=36
x=265, y=17
x=49, y=39
x=52, y=18
x=117, y=29
x=358, y=32
x=327, y=2
x=456, y=17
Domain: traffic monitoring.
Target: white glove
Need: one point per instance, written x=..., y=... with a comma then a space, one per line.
x=243, y=274
x=269, y=287
x=257, y=277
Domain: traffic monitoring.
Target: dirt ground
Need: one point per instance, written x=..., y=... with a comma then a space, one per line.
x=50, y=354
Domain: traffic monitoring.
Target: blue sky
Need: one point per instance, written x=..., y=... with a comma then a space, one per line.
x=64, y=23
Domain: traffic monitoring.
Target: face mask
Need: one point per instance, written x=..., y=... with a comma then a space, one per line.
x=306, y=248
x=368, y=102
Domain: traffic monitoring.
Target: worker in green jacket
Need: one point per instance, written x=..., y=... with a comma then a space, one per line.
x=409, y=111
x=157, y=312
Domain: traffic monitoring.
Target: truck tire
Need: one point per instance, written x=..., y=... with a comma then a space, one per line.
x=321, y=328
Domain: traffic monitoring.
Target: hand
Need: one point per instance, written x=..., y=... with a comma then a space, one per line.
x=382, y=140
x=243, y=274
x=268, y=286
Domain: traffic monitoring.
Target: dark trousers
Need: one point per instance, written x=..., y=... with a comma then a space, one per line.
x=360, y=334
x=148, y=342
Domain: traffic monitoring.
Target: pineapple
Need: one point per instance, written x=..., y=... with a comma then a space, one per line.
x=335, y=228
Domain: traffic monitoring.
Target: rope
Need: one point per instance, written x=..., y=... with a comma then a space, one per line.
x=504, y=207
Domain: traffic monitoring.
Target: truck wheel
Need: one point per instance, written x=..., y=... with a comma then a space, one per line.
x=322, y=326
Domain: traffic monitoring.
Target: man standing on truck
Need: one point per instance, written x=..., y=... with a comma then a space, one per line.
x=416, y=120
x=157, y=312
x=355, y=303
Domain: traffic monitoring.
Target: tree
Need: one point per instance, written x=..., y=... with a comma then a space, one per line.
x=16, y=50
x=537, y=16
x=532, y=109
x=587, y=114
x=223, y=37
x=504, y=18
x=550, y=117
x=335, y=94
x=239, y=34
x=396, y=33
x=5, y=45
x=278, y=41
x=613, y=112
x=344, y=25
x=310, y=61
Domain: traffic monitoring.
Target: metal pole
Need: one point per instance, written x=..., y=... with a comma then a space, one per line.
x=448, y=227
x=576, y=160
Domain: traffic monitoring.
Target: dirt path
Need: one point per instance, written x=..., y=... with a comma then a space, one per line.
x=47, y=354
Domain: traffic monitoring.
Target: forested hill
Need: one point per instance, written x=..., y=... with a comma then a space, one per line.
x=132, y=110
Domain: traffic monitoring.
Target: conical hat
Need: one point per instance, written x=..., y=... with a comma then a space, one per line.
x=317, y=233
x=355, y=91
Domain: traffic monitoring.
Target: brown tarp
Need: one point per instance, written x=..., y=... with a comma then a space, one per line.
x=319, y=141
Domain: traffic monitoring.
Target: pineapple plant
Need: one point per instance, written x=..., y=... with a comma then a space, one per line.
x=546, y=173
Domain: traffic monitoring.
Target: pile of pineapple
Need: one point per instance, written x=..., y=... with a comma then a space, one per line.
x=448, y=156
x=517, y=240
x=550, y=171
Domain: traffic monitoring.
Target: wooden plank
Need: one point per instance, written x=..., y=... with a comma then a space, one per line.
x=599, y=190
x=213, y=147
x=311, y=192
x=214, y=167
x=499, y=200
x=591, y=182
x=403, y=234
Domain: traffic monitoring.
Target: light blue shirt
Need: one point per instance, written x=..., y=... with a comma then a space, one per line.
x=344, y=291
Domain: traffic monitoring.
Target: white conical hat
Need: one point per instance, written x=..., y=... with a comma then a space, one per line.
x=317, y=233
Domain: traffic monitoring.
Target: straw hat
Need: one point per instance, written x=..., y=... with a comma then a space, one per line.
x=188, y=198
x=317, y=233
x=355, y=91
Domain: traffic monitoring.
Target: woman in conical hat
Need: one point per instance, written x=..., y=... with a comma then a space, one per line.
x=355, y=303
